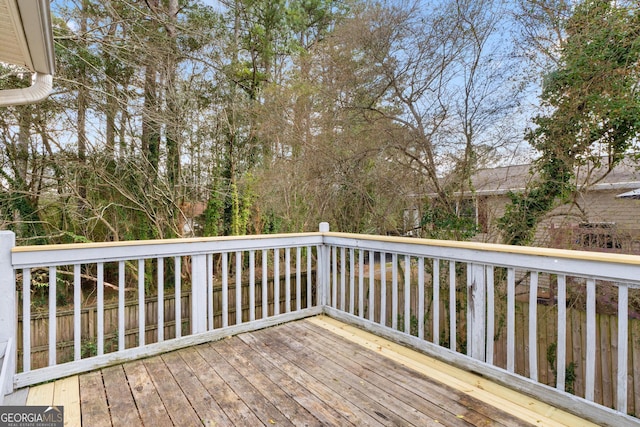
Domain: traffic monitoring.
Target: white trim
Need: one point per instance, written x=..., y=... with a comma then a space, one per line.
x=603, y=186
x=86, y=253
x=36, y=24
x=7, y=360
x=598, y=265
x=33, y=32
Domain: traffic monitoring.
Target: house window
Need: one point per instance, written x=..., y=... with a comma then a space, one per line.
x=466, y=208
x=598, y=235
x=476, y=210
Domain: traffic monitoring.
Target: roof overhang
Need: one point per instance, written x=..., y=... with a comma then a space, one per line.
x=603, y=186
x=26, y=39
x=633, y=194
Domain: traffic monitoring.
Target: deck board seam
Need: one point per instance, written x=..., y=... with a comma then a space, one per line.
x=236, y=409
x=188, y=383
x=266, y=412
x=428, y=407
x=270, y=390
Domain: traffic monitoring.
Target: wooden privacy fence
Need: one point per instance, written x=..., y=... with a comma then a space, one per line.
x=65, y=322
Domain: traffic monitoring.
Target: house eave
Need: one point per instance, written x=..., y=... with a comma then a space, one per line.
x=604, y=186
x=26, y=40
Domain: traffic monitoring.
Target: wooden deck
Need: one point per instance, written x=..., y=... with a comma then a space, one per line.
x=312, y=372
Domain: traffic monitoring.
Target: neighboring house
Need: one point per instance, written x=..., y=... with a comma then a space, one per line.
x=596, y=219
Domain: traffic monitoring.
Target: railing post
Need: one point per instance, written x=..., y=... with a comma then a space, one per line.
x=198, y=293
x=477, y=290
x=324, y=269
x=8, y=319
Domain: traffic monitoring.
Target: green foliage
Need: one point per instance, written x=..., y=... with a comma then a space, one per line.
x=570, y=370
x=29, y=225
x=212, y=216
x=443, y=222
x=89, y=348
x=272, y=223
x=246, y=204
x=525, y=211
x=236, y=221
x=413, y=324
x=596, y=109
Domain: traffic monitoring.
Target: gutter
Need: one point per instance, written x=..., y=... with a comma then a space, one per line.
x=603, y=186
x=38, y=91
x=33, y=21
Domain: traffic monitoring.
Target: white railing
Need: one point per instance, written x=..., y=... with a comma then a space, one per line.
x=443, y=297
x=252, y=281
x=477, y=306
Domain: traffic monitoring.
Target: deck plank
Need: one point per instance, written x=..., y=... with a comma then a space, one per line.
x=234, y=407
x=349, y=387
x=150, y=406
x=451, y=400
x=119, y=396
x=93, y=400
x=67, y=394
x=201, y=401
x=441, y=401
x=320, y=389
x=176, y=404
x=41, y=395
x=302, y=393
x=230, y=350
x=266, y=412
x=499, y=396
x=380, y=397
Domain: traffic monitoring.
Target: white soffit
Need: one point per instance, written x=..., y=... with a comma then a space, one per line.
x=26, y=40
x=36, y=23
x=13, y=42
x=26, y=37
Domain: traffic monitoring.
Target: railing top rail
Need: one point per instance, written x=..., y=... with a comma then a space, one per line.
x=491, y=247
x=618, y=267
x=71, y=246
x=500, y=248
x=81, y=253
x=605, y=266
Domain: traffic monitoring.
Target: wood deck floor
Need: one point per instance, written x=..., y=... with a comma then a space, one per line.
x=307, y=373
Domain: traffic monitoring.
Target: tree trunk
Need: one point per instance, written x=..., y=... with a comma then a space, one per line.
x=173, y=116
